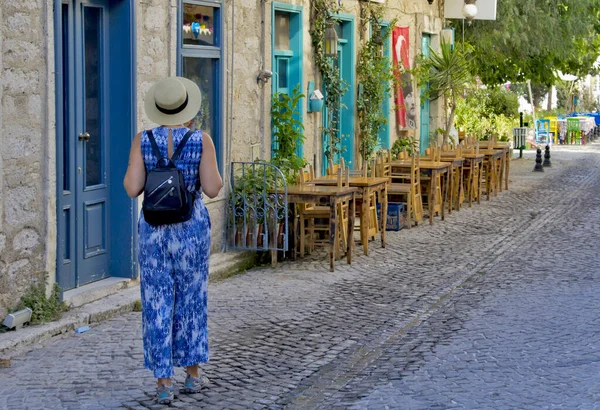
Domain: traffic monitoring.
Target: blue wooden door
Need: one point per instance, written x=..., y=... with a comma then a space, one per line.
x=83, y=251
x=383, y=138
x=343, y=115
x=424, y=122
x=287, y=56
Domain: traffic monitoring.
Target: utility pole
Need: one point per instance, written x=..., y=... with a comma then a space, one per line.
x=531, y=101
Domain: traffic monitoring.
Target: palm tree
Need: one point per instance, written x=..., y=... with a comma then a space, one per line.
x=449, y=73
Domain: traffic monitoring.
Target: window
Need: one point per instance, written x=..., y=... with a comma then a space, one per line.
x=282, y=30
x=200, y=24
x=200, y=60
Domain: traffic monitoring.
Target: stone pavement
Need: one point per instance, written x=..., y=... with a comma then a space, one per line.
x=493, y=308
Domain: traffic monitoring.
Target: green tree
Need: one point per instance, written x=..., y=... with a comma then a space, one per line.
x=531, y=39
x=538, y=92
x=486, y=111
x=449, y=75
x=588, y=103
x=562, y=96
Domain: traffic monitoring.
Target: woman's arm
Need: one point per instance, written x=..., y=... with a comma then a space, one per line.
x=210, y=179
x=135, y=178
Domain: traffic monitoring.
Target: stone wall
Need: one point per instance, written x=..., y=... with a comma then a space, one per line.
x=24, y=125
x=27, y=129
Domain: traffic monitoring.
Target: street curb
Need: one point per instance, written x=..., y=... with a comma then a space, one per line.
x=15, y=343
x=27, y=338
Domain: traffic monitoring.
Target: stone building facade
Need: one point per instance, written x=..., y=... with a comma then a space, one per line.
x=74, y=74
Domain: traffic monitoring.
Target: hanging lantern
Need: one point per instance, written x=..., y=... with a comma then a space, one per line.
x=469, y=10
x=331, y=41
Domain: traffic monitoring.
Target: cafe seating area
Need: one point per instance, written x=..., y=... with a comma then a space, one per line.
x=328, y=210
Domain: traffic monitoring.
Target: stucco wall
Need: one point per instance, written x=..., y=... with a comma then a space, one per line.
x=24, y=125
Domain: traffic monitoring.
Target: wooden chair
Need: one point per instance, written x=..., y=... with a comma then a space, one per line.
x=370, y=204
x=314, y=219
x=369, y=170
x=432, y=154
x=404, y=184
x=489, y=172
x=457, y=195
x=332, y=169
x=471, y=181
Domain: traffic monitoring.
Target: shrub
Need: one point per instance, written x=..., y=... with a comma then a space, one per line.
x=45, y=309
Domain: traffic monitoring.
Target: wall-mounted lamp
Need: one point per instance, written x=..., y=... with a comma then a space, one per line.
x=264, y=76
x=469, y=9
x=331, y=41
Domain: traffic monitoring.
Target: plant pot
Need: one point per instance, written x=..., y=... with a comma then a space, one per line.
x=259, y=239
x=280, y=235
x=315, y=105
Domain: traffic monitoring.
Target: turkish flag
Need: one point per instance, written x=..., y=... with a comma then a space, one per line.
x=400, y=45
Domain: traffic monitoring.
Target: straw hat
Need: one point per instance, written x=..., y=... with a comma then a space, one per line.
x=172, y=101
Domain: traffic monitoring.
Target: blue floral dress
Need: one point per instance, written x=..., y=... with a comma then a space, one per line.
x=174, y=269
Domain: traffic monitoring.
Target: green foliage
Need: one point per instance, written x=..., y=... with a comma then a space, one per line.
x=500, y=101
x=374, y=73
x=408, y=143
x=538, y=92
x=137, y=306
x=588, y=103
x=531, y=39
x=44, y=309
x=334, y=86
x=449, y=76
x=562, y=96
x=487, y=111
x=288, y=133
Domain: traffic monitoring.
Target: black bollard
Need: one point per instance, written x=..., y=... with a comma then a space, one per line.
x=538, y=161
x=547, y=162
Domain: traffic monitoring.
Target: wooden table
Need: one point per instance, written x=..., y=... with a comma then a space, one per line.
x=472, y=161
x=331, y=196
x=455, y=178
x=436, y=169
x=366, y=186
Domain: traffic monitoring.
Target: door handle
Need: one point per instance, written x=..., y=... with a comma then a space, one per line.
x=84, y=137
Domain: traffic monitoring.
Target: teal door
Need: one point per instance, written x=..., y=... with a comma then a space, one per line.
x=88, y=171
x=343, y=115
x=384, y=132
x=424, y=122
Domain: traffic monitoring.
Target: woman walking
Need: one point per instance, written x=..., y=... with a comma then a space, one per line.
x=174, y=257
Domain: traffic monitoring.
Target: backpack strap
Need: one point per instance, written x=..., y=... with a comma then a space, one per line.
x=184, y=140
x=154, y=145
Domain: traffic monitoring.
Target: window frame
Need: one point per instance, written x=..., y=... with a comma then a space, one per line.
x=295, y=76
x=214, y=52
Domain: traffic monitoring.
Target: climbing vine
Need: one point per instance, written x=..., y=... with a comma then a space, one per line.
x=322, y=12
x=374, y=74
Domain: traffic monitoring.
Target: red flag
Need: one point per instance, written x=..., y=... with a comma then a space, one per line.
x=400, y=45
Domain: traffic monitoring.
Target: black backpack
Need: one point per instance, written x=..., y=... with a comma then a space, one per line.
x=166, y=198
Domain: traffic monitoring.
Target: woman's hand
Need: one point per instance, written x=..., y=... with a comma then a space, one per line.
x=210, y=179
x=135, y=178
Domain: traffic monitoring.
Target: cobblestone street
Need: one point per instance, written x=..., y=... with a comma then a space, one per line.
x=496, y=307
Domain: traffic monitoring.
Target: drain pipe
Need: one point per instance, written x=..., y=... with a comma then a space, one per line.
x=263, y=85
x=230, y=130
x=229, y=156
